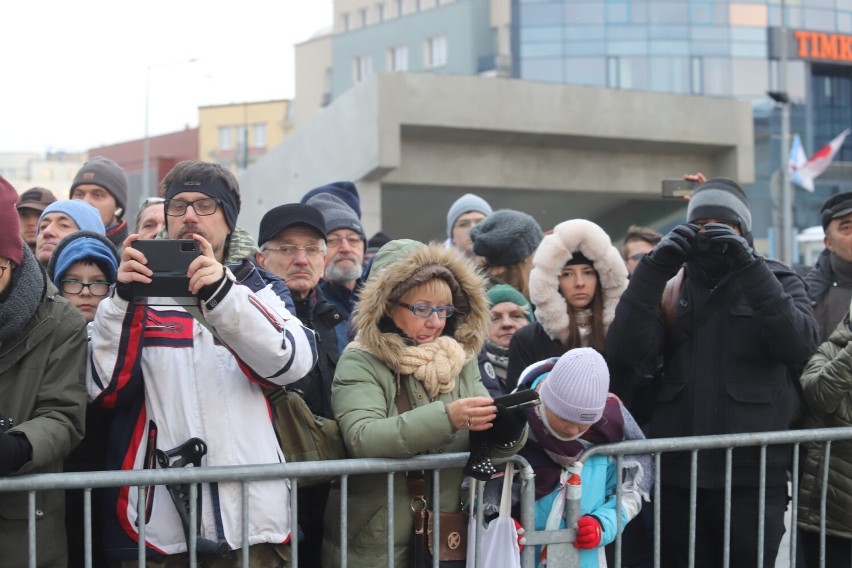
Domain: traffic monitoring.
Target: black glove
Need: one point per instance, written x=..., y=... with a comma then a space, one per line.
x=15, y=451
x=674, y=249
x=508, y=426
x=734, y=247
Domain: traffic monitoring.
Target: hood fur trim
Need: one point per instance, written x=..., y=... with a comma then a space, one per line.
x=550, y=258
x=467, y=283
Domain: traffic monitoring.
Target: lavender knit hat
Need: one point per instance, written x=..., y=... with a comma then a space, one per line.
x=576, y=388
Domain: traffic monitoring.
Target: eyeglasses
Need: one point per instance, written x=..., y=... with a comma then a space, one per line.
x=353, y=240
x=76, y=287
x=425, y=310
x=311, y=251
x=202, y=207
x=466, y=223
x=3, y=268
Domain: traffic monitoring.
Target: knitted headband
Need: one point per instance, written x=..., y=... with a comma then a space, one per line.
x=212, y=188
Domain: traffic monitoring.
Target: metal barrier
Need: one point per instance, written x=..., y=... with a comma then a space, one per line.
x=244, y=475
x=562, y=553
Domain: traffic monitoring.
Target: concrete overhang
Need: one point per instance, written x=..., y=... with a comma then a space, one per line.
x=415, y=142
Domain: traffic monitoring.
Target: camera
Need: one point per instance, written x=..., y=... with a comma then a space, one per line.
x=169, y=259
x=704, y=243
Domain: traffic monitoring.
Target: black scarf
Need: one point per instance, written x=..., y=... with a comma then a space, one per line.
x=26, y=291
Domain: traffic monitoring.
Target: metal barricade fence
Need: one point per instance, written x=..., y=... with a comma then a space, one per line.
x=561, y=554
x=244, y=475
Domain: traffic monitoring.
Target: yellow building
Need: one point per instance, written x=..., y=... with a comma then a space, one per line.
x=236, y=134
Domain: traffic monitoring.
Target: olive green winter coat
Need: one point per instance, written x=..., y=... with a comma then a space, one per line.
x=827, y=384
x=363, y=398
x=42, y=387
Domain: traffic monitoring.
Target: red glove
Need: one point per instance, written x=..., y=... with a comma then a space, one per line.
x=589, y=532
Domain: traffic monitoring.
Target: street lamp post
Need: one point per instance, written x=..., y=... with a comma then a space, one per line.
x=786, y=188
x=784, y=238
x=146, y=143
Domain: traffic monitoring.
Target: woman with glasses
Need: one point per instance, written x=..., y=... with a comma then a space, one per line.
x=83, y=267
x=409, y=384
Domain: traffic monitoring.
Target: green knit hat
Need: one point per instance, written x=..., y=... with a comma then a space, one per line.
x=505, y=293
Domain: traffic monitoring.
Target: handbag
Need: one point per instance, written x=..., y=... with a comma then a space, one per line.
x=452, y=543
x=303, y=435
x=499, y=546
x=452, y=537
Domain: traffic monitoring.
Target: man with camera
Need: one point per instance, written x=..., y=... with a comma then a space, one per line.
x=732, y=328
x=187, y=388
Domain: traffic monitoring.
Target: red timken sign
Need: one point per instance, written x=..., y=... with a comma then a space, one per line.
x=821, y=45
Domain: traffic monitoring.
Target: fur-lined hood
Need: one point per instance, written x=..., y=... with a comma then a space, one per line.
x=398, y=267
x=550, y=258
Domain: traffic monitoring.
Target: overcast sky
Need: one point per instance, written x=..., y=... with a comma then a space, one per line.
x=74, y=72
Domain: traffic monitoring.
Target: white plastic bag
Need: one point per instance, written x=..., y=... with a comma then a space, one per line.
x=499, y=547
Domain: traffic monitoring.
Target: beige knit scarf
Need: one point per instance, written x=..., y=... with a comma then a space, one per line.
x=435, y=364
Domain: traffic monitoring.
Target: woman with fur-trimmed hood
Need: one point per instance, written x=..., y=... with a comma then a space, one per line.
x=420, y=323
x=575, y=284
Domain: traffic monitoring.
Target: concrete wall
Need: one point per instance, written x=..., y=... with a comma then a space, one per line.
x=415, y=142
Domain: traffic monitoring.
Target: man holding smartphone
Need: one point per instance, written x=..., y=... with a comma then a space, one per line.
x=199, y=377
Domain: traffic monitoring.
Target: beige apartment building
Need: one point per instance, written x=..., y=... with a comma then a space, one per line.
x=235, y=135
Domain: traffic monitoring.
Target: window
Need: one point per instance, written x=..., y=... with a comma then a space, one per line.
x=380, y=12
x=435, y=51
x=345, y=19
x=398, y=58
x=258, y=135
x=362, y=67
x=225, y=140
x=362, y=17
x=400, y=5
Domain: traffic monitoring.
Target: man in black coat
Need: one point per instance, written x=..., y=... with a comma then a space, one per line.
x=292, y=242
x=830, y=281
x=731, y=328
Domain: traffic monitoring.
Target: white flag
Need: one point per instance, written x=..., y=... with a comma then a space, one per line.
x=803, y=174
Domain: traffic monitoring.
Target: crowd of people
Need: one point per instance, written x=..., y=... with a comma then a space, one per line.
x=407, y=345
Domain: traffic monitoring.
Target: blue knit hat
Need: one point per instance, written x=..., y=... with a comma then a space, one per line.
x=83, y=246
x=86, y=217
x=465, y=204
x=343, y=190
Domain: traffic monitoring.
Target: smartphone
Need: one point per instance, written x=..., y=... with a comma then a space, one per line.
x=520, y=399
x=170, y=260
x=678, y=188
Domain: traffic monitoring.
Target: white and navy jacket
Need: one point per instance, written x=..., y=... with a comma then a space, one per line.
x=169, y=380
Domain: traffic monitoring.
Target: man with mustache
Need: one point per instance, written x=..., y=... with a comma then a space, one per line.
x=292, y=242
x=175, y=373
x=344, y=257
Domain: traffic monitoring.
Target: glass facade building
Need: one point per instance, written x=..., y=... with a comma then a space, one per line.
x=708, y=48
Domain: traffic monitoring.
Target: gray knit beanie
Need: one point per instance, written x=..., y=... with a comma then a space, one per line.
x=506, y=237
x=465, y=204
x=722, y=199
x=105, y=173
x=577, y=386
x=337, y=214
